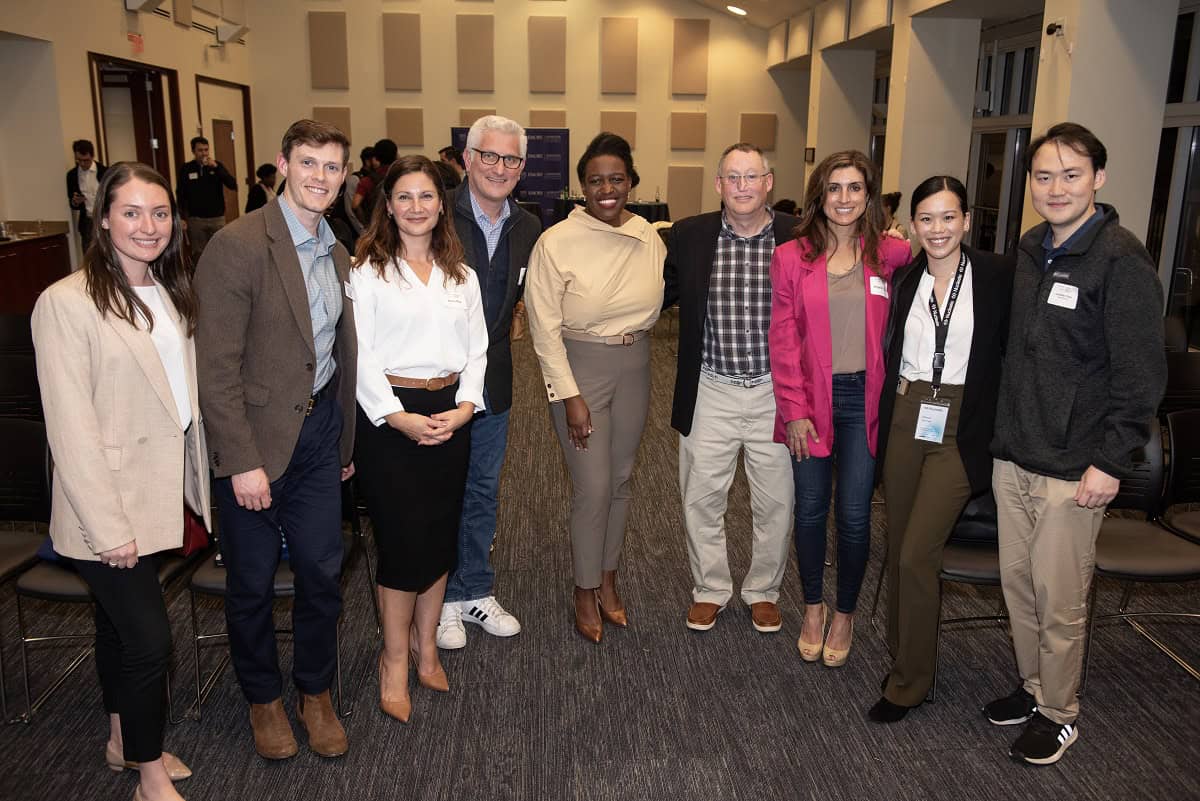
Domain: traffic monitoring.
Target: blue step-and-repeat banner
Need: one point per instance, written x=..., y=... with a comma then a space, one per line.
x=546, y=173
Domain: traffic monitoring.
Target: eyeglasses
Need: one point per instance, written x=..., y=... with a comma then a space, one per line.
x=489, y=158
x=750, y=178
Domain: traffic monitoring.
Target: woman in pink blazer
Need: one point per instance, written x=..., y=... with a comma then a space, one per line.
x=828, y=317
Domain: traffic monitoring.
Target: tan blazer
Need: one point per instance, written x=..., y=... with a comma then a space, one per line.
x=123, y=465
x=254, y=344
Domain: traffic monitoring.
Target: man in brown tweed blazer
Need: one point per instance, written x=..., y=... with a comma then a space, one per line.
x=276, y=356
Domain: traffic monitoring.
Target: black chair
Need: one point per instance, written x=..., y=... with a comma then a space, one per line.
x=1183, y=383
x=1183, y=430
x=23, y=498
x=1139, y=550
x=19, y=394
x=16, y=333
x=209, y=580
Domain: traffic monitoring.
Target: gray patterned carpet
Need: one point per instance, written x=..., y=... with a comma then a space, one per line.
x=654, y=712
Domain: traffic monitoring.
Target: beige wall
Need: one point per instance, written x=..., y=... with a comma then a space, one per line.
x=32, y=185
x=737, y=79
x=225, y=103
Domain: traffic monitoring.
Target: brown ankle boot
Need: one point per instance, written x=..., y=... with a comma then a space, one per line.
x=273, y=738
x=326, y=737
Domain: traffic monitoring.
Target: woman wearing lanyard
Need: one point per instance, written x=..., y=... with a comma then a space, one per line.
x=828, y=313
x=422, y=351
x=117, y=371
x=594, y=291
x=948, y=329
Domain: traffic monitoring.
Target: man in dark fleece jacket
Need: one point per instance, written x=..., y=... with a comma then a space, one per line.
x=1084, y=372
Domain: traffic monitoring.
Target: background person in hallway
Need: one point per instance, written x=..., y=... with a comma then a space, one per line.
x=263, y=191
x=82, y=181
x=277, y=362
x=595, y=291
x=201, y=190
x=366, y=193
x=422, y=354
x=930, y=473
x=1084, y=374
x=117, y=371
x=718, y=270
x=497, y=237
x=828, y=315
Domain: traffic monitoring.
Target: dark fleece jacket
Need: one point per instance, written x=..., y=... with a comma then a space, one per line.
x=1081, y=385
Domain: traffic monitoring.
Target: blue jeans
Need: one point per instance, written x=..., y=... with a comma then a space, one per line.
x=855, y=484
x=474, y=576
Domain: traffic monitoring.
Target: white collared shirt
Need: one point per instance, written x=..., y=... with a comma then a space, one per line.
x=414, y=330
x=916, y=360
x=88, y=184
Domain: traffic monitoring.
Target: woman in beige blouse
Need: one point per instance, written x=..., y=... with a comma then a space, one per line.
x=594, y=290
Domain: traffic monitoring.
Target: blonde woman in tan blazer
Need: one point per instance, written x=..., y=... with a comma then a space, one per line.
x=117, y=371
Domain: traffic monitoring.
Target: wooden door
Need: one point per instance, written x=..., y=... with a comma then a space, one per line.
x=225, y=152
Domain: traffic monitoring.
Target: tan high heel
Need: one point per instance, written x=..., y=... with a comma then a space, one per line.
x=591, y=630
x=437, y=680
x=836, y=657
x=811, y=651
x=176, y=770
x=398, y=708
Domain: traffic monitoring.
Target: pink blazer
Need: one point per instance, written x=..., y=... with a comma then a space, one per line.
x=801, y=344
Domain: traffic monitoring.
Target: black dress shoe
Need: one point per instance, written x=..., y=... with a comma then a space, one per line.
x=885, y=711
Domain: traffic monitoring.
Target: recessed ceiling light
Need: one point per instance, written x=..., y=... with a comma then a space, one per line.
x=741, y=12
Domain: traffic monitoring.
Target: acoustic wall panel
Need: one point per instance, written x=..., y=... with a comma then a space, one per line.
x=685, y=190
x=688, y=130
x=547, y=54
x=327, y=56
x=475, y=34
x=618, y=55
x=402, y=52
x=337, y=116
x=622, y=123
x=235, y=10
x=466, y=116
x=182, y=12
x=759, y=129
x=547, y=118
x=799, y=43
x=406, y=126
x=689, y=59
x=211, y=6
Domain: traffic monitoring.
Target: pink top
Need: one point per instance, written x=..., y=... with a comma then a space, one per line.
x=802, y=346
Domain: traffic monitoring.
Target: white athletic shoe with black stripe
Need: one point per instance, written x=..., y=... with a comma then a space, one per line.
x=450, y=632
x=490, y=615
x=1043, y=742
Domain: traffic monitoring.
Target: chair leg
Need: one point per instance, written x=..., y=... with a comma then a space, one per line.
x=937, y=647
x=879, y=584
x=1091, y=631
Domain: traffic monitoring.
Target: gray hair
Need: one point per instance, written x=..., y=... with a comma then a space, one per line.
x=493, y=122
x=743, y=147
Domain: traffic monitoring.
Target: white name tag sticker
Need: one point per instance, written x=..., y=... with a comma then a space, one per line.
x=349, y=290
x=521, y=277
x=456, y=300
x=193, y=175
x=1063, y=295
x=931, y=421
x=878, y=286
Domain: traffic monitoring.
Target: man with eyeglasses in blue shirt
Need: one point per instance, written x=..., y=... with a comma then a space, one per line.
x=497, y=237
x=718, y=271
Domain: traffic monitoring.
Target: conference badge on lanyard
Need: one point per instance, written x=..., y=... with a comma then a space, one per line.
x=934, y=411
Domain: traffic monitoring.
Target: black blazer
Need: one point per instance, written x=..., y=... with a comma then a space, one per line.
x=85, y=214
x=991, y=294
x=691, y=248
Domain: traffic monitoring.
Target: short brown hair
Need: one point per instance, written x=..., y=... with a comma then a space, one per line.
x=313, y=132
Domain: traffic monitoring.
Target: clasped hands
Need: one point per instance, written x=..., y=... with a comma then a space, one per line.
x=433, y=429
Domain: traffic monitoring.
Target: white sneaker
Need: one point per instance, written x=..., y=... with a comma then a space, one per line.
x=489, y=614
x=450, y=632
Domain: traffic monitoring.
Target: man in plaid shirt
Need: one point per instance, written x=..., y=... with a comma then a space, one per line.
x=718, y=271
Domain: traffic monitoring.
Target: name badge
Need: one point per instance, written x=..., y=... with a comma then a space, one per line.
x=931, y=420
x=349, y=290
x=1063, y=295
x=878, y=286
x=456, y=300
x=193, y=175
x=521, y=277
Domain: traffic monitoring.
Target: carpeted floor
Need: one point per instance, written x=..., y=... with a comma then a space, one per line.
x=656, y=711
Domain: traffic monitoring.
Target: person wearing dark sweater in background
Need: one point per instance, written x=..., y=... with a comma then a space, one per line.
x=201, y=194
x=1084, y=372
x=263, y=191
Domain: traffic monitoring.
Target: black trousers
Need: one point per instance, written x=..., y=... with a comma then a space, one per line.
x=306, y=505
x=133, y=648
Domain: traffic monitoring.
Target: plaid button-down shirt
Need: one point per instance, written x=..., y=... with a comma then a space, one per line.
x=739, y=303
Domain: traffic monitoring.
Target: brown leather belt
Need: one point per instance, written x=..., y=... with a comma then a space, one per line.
x=619, y=339
x=431, y=384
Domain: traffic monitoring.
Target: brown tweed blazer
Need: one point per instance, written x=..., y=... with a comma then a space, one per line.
x=254, y=346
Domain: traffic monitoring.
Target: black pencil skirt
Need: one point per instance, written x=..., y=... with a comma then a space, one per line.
x=414, y=493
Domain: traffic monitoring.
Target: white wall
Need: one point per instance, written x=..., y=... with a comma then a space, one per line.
x=225, y=103
x=32, y=183
x=119, y=132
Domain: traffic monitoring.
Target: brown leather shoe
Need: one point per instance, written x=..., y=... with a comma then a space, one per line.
x=766, y=617
x=587, y=615
x=326, y=737
x=702, y=616
x=273, y=738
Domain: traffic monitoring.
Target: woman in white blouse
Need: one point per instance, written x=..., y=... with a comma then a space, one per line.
x=117, y=371
x=422, y=345
x=594, y=291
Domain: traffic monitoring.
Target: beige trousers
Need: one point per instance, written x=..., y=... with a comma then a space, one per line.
x=1047, y=553
x=614, y=380
x=728, y=420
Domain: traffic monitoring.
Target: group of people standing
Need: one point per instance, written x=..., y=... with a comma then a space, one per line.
x=813, y=345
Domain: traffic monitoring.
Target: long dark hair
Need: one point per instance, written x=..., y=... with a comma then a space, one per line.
x=381, y=242
x=814, y=225
x=104, y=277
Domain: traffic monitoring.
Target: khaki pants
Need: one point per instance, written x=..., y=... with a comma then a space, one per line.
x=1047, y=553
x=199, y=231
x=728, y=420
x=925, y=487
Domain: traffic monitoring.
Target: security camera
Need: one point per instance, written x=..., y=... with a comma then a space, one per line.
x=1054, y=29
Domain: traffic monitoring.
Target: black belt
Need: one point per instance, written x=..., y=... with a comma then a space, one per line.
x=318, y=396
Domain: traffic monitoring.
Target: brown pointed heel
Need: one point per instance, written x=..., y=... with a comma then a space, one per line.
x=586, y=605
x=437, y=680
x=615, y=616
x=398, y=708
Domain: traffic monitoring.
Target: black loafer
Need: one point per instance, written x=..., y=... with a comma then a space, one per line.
x=885, y=711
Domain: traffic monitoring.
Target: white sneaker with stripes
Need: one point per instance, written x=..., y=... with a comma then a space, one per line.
x=490, y=615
